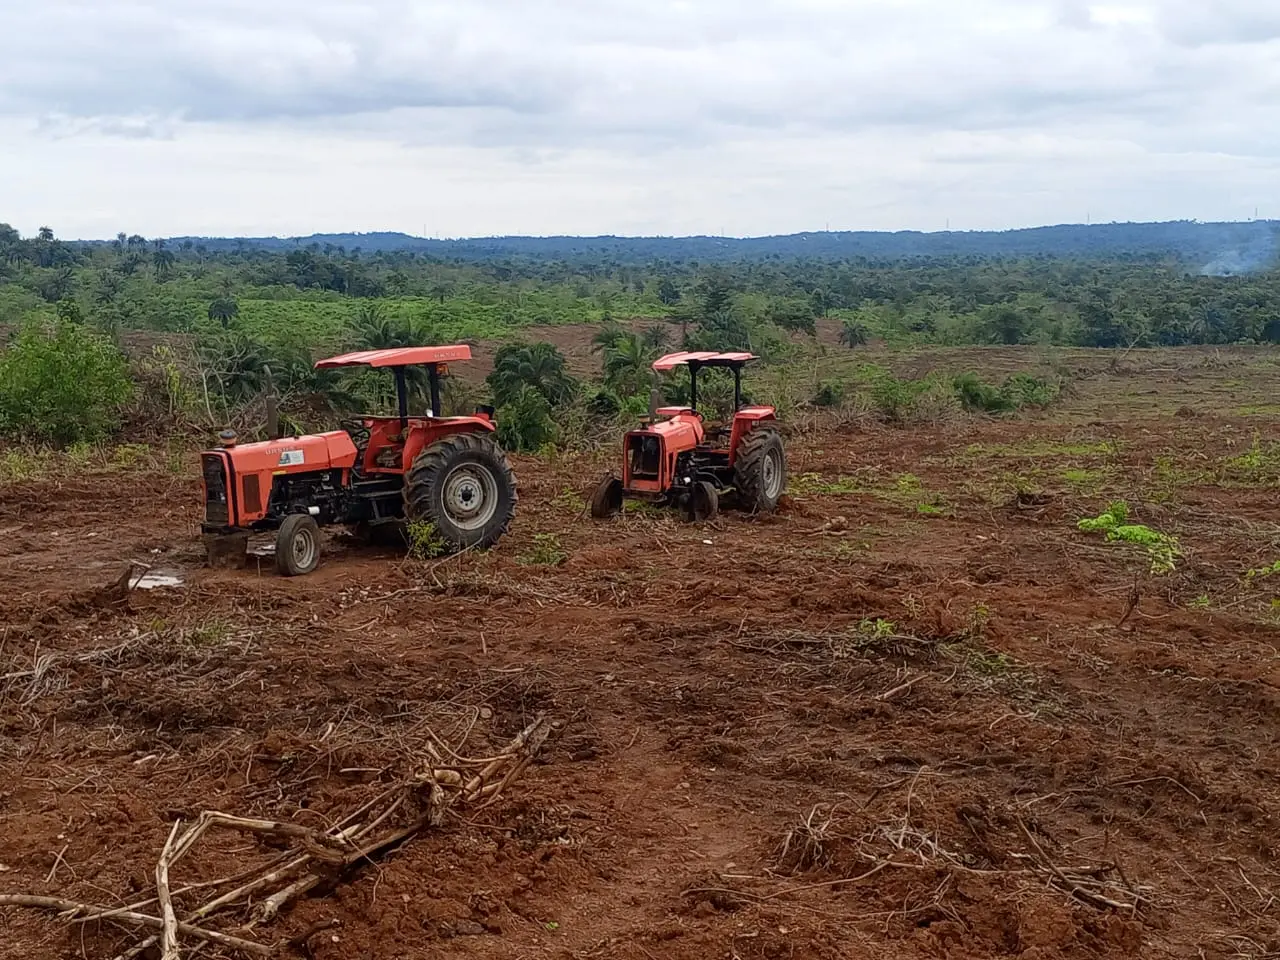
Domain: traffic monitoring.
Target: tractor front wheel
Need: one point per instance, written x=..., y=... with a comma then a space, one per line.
x=703, y=503
x=760, y=470
x=606, y=502
x=297, y=545
x=464, y=486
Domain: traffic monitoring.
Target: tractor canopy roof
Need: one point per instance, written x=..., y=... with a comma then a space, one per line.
x=397, y=357
x=702, y=359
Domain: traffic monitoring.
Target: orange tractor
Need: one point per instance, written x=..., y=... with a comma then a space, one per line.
x=673, y=458
x=376, y=472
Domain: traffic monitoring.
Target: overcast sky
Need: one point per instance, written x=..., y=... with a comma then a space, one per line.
x=748, y=117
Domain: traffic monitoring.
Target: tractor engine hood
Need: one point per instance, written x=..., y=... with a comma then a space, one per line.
x=321, y=451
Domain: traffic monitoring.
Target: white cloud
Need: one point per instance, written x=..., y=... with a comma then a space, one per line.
x=543, y=116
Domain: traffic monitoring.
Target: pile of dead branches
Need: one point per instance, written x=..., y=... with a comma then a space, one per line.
x=309, y=859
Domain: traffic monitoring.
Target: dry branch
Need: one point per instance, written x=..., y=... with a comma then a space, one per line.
x=142, y=919
x=313, y=856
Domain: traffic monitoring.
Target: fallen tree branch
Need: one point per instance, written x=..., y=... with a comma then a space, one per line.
x=142, y=919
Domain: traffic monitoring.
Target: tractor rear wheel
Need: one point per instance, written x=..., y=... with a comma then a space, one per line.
x=297, y=545
x=760, y=470
x=464, y=486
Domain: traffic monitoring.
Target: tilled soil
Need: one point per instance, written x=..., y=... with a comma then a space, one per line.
x=916, y=713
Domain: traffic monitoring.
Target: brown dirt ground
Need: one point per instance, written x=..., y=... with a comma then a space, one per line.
x=721, y=685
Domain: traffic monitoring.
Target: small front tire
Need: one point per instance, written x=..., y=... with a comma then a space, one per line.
x=297, y=545
x=606, y=502
x=703, y=503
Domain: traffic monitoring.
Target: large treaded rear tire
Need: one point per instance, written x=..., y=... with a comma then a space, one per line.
x=465, y=487
x=760, y=470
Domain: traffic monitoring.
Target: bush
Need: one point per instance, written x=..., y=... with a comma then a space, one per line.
x=524, y=423
x=1019, y=390
x=974, y=393
x=61, y=385
x=830, y=393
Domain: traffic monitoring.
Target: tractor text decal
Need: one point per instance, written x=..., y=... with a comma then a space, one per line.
x=291, y=458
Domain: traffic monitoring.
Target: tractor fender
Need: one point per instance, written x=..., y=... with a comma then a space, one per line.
x=744, y=421
x=424, y=433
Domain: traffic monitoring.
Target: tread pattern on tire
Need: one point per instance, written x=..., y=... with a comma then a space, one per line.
x=748, y=473
x=419, y=487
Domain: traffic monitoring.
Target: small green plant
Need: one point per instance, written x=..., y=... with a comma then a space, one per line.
x=1261, y=572
x=547, y=551
x=1162, y=549
x=976, y=625
x=425, y=541
x=569, y=499
x=1199, y=603
x=18, y=465
x=929, y=510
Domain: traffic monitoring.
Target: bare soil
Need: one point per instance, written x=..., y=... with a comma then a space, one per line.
x=916, y=713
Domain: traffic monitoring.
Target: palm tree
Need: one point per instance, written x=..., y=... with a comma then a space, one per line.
x=610, y=332
x=539, y=365
x=627, y=365
x=224, y=310
x=853, y=333
x=162, y=261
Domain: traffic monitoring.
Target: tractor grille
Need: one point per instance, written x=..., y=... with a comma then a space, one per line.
x=215, y=490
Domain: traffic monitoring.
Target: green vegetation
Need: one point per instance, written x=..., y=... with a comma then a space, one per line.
x=425, y=541
x=547, y=551
x=61, y=384
x=1162, y=550
x=247, y=308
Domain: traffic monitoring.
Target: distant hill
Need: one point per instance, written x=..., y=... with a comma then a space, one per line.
x=1222, y=248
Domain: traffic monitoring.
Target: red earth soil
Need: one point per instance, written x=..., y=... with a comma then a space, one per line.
x=916, y=713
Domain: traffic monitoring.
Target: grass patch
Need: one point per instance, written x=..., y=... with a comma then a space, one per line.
x=1036, y=449
x=547, y=551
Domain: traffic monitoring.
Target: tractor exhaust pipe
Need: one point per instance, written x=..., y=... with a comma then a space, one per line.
x=655, y=398
x=273, y=412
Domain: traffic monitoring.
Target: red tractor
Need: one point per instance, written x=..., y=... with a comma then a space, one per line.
x=674, y=459
x=375, y=473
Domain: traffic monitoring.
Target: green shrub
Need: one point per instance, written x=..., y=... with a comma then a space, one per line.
x=830, y=393
x=524, y=422
x=539, y=366
x=1161, y=548
x=974, y=393
x=424, y=539
x=61, y=384
x=1019, y=390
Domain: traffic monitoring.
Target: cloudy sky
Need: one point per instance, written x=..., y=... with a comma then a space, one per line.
x=744, y=117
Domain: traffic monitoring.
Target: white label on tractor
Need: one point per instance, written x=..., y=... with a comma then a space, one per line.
x=291, y=458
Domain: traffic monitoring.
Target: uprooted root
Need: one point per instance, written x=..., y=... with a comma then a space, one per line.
x=310, y=857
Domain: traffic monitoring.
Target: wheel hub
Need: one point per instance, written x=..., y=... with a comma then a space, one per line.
x=470, y=496
x=772, y=471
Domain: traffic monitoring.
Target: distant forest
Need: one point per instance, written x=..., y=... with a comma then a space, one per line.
x=1221, y=248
